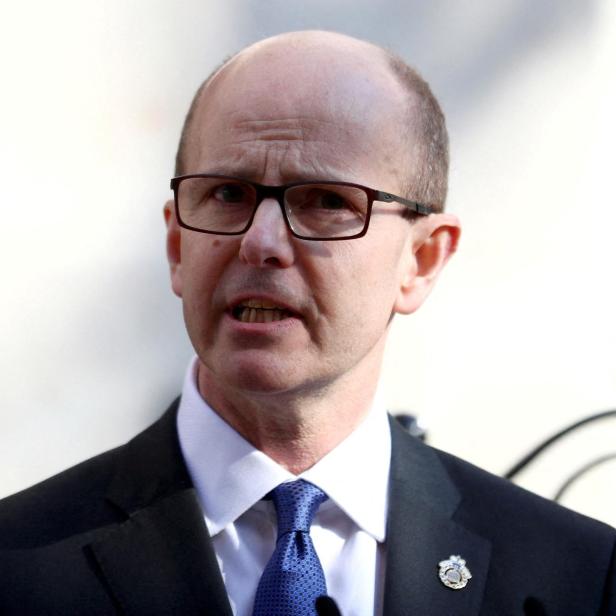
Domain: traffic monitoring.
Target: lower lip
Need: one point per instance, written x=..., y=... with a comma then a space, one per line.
x=262, y=328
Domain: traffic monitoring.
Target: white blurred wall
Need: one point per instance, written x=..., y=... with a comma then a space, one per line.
x=518, y=339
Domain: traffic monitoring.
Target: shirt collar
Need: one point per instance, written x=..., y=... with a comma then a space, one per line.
x=355, y=474
x=230, y=475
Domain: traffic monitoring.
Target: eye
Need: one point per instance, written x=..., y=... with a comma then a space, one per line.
x=331, y=201
x=321, y=199
x=231, y=193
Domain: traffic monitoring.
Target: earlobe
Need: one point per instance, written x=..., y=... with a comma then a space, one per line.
x=173, y=248
x=433, y=242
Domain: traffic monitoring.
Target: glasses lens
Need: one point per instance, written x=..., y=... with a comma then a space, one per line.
x=213, y=204
x=326, y=210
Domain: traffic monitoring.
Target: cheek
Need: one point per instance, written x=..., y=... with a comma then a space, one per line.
x=365, y=289
x=203, y=262
x=377, y=281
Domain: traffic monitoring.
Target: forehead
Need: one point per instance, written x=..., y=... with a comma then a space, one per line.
x=300, y=113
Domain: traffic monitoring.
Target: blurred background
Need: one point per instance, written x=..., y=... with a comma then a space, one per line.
x=518, y=339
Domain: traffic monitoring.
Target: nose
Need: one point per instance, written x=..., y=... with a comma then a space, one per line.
x=268, y=242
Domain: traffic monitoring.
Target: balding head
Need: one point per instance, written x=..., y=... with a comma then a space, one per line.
x=349, y=78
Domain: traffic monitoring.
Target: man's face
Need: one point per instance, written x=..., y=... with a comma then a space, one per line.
x=278, y=118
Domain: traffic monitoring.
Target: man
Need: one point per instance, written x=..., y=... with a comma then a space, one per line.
x=307, y=212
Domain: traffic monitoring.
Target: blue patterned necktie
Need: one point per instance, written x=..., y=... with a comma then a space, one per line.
x=293, y=577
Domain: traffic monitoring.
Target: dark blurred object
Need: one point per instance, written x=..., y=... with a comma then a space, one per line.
x=533, y=607
x=529, y=457
x=326, y=606
x=581, y=472
x=411, y=425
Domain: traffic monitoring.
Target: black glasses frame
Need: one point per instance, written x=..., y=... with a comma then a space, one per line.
x=277, y=192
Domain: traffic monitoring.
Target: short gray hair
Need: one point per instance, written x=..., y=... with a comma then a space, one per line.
x=427, y=132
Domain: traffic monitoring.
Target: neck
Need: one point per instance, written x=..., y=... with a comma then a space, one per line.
x=295, y=428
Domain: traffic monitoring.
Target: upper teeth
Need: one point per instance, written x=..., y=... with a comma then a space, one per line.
x=261, y=303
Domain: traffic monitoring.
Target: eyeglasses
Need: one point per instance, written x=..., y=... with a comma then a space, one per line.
x=225, y=205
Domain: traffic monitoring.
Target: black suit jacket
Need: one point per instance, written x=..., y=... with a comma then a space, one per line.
x=123, y=533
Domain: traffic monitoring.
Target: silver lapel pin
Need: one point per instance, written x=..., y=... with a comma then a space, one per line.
x=453, y=572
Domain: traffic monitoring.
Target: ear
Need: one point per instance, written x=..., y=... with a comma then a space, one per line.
x=173, y=247
x=433, y=240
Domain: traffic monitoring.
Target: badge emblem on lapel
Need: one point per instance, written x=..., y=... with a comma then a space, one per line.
x=454, y=573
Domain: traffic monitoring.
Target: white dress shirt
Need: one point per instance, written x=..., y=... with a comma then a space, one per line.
x=232, y=477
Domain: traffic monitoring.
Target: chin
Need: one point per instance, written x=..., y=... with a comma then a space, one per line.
x=261, y=379
x=257, y=373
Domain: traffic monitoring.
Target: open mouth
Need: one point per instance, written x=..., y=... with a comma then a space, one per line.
x=260, y=311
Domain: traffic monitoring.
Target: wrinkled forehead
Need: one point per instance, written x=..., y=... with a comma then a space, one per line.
x=345, y=83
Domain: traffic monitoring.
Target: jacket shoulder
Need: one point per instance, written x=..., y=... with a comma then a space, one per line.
x=490, y=502
x=98, y=492
x=536, y=542
x=71, y=502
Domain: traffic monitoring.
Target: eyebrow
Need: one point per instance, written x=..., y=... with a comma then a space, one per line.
x=247, y=173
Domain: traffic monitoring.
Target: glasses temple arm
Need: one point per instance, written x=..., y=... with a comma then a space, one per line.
x=412, y=205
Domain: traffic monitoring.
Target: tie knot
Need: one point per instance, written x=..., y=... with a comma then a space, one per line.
x=296, y=503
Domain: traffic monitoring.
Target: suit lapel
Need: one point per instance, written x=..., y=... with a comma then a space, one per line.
x=422, y=531
x=160, y=560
